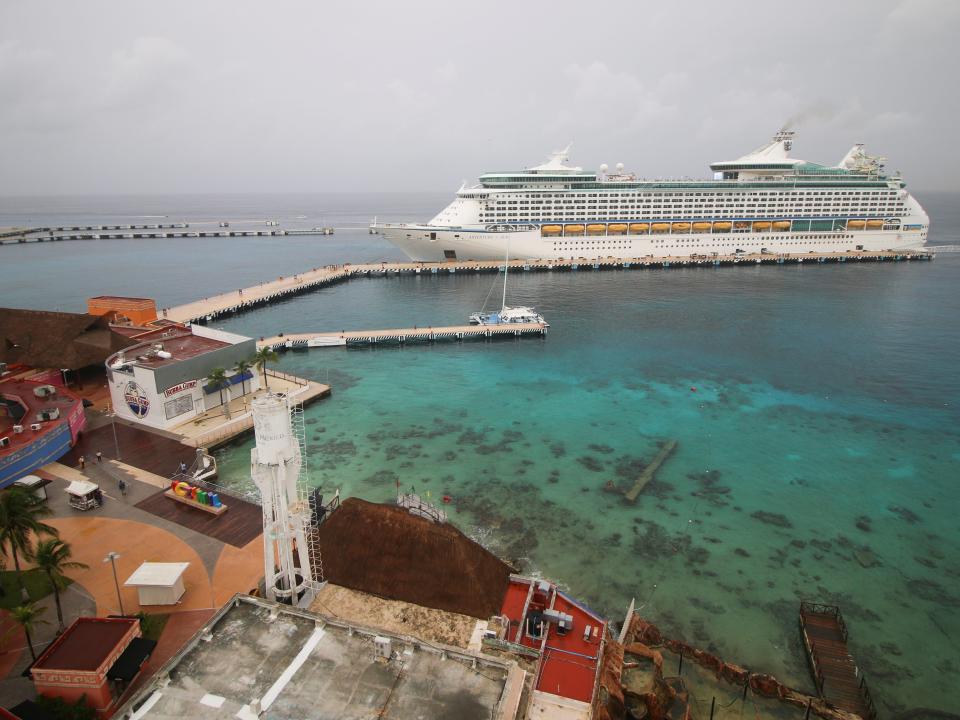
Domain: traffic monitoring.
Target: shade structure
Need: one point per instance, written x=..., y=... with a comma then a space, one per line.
x=132, y=659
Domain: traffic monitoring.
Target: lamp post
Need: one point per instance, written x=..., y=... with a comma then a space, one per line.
x=113, y=424
x=112, y=558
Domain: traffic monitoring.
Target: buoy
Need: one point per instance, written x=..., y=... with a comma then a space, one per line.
x=692, y=389
x=447, y=499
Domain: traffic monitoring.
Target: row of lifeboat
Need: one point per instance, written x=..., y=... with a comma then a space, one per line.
x=642, y=228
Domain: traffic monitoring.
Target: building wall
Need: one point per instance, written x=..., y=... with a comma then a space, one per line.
x=49, y=447
x=135, y=396
x=71, y=685
x=139, y=310
x=167, y=376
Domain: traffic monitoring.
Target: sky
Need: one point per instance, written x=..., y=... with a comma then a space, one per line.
x=232, y=97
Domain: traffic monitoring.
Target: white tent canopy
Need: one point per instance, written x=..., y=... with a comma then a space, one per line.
x=81, y=488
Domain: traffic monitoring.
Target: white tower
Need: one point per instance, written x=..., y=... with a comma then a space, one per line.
x=275, y=465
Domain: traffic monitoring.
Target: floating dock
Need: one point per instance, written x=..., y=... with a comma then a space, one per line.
x=839, y=681
x=402, y=336
x=238, y=301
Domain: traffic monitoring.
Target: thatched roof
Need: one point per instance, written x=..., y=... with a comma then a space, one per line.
x=384, y=550
x=43, y=339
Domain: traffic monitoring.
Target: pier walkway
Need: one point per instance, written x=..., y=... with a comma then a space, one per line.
x=400, y=336
x=241, y=300
x=839, y=681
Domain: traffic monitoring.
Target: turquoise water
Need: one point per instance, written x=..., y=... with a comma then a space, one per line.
x=815, y=409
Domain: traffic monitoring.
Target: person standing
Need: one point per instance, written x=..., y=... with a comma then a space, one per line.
x=83, y=462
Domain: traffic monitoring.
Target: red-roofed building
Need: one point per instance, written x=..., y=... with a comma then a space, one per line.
x=94, y=659
x=570, y=640
x=39, y=423
x=162, y=381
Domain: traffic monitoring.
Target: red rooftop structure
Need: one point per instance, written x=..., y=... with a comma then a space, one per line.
x=39, y=423
x=95, y=658
x=569, y=637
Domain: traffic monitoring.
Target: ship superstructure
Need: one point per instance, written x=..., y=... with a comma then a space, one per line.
x=765, y=201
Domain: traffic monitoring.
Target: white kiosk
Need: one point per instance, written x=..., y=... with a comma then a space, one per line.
x=158, y=583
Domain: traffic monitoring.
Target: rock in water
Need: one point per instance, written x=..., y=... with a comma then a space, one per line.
x=866, y=557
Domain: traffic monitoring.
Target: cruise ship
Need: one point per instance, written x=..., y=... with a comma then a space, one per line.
x=763, y=202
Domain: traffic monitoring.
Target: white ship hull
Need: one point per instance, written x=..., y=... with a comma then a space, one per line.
x=433, y=243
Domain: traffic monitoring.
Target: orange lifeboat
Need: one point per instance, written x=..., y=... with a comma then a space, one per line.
x=781, y=225
x=761, y=225
x=660, y=227
x=596, y=229
x=616, y=229
x=551, y=229
x=701, y=226
x=681, y=227
x=639, y=227
x=874, y=224
x=856, y=224
x=741, y=226
x=573, y=229
x=722, y=226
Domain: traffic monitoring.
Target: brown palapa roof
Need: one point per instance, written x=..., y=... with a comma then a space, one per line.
x=40, y=338
x=386, y=551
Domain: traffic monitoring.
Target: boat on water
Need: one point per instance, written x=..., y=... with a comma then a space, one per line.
x=763, y=202
x=509, y=315
x=524, y=315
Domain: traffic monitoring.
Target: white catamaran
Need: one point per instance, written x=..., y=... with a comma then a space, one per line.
x=765, y=201
x=508, y=315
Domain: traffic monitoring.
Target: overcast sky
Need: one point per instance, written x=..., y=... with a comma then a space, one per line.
x=161, y=97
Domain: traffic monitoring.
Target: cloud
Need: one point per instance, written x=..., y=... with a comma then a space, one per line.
x=150, y=69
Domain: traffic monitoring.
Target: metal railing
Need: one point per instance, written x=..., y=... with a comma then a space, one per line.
x=285, y=376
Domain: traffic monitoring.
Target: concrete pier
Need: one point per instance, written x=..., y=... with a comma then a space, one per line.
x=238, y=301
x=400, y=336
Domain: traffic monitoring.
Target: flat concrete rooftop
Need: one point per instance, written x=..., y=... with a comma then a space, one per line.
x=260, y=659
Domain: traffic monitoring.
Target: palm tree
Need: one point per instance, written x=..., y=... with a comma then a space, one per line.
x=263, y=356
x=217, y=379
x=242, y=368
x=53, y=557
x=20, y=513
x=28, y=617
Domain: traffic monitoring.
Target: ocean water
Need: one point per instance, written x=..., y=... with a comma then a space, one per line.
x=815, y=409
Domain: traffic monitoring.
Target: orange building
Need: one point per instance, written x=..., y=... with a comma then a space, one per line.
x=94, y=657
x=123, y=310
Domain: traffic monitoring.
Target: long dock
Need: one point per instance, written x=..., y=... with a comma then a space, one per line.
x=241, y=300
x=154, y=231
x=401, y=336
x=839, y=681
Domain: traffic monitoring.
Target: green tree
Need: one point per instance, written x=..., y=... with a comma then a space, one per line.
x=59, y=709
x=263, y=356
x=53, y=557
x=20, y=520
x=218, y=380
x=28, y=616
x=242, y=368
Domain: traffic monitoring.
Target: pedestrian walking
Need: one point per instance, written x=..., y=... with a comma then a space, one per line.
x=99, y=456
x=83, y=462
x=123, y=486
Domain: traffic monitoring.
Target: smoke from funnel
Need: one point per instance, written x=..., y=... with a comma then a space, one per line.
x=820, y=112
